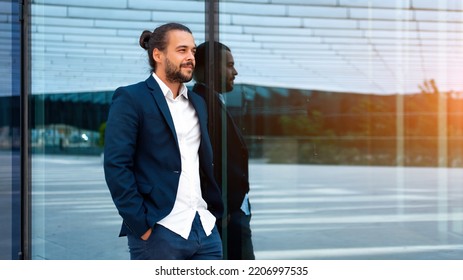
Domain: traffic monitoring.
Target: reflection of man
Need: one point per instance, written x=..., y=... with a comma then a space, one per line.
x=238, y=211
x=156, y=147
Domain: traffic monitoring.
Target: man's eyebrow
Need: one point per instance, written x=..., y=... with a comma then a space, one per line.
x=185, y=46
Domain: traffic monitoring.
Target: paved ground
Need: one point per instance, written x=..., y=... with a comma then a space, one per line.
x=9, y=208
x=342, y=212
x=300, y=212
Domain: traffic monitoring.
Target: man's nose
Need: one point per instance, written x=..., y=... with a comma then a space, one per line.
x=191, y=55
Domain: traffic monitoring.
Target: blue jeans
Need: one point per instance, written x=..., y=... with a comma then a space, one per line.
x=163, y=244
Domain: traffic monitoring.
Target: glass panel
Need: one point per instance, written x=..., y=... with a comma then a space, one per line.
x=10, y=82
x=81, y=52
x=351, y=111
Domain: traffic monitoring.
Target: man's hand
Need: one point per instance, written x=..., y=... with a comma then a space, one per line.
x=146, y=235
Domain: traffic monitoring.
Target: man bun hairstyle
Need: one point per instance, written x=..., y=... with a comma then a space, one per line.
x=144, y=39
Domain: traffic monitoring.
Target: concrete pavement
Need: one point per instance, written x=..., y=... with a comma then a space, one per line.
x=299, y=211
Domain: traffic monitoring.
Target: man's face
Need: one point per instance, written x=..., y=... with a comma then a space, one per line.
x=228, y=72
x=178, y=61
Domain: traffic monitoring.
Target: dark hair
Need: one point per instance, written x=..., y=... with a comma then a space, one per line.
x=202, y=52
x=158, y=39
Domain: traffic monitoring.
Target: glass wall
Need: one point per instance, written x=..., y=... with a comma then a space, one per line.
x=350, y=110
x=10, y=82
x=81, y=52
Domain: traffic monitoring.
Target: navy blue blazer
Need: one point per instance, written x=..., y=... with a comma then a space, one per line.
x=142, y=161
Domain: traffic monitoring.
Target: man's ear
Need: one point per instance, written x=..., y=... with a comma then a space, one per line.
x=157, y=55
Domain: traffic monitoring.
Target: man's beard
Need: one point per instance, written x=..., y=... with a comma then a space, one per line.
x=175, y=75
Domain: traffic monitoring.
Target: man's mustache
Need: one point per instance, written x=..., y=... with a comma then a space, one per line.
x=187, y=64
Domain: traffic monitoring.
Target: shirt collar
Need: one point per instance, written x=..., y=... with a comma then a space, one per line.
x=166, y=90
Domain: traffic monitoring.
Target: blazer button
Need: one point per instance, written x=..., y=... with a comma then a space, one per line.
x=176, y=171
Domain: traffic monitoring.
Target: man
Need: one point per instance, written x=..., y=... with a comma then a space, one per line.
x=238, y=230
x=158, y=156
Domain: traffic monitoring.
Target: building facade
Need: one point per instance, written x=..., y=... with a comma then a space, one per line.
x=352, y=111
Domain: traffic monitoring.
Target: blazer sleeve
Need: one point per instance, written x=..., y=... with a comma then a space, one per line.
x=119, y=151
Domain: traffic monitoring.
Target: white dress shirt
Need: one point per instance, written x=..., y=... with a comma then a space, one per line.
x=189, y=199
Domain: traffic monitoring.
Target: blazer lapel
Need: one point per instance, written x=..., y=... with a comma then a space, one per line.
x=160, y=99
